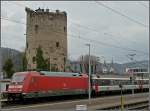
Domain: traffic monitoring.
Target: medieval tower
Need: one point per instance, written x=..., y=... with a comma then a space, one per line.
x=49, y=31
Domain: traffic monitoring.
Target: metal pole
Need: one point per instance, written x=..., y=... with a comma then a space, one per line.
x=149, y=77
x=133, y=83
x=0, y=72
x=89, y=82
x=89, y=76
x=149, y=69
x=121, y=100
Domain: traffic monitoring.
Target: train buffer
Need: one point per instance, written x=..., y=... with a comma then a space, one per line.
x=3, y=100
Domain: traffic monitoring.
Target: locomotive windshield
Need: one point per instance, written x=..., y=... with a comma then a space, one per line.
x=18, y=77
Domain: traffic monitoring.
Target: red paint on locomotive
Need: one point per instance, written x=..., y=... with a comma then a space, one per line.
x=35, y=82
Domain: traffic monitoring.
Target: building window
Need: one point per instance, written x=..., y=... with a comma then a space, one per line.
x=36, y=28
x=57, y=44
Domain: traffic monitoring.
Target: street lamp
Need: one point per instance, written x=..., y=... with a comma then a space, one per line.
x=131, y=57
x=0, y=73
x=149, y=74
x=89, y=73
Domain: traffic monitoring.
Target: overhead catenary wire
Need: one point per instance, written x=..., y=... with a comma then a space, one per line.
x=110, y=35
x=121, y=14
x=17, y=4
x=105, y=33
x=76, y=24
x=143, y=4
x=87, y=39
x=115, y=11
x=122, y=37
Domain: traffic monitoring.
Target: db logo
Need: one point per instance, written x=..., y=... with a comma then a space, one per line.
x=64, y=84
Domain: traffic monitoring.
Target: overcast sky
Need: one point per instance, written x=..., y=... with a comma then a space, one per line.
x=88, y=20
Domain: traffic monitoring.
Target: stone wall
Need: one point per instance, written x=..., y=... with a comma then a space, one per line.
x=48, y=30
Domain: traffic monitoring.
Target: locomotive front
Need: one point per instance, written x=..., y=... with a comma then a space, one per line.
x=17, y=82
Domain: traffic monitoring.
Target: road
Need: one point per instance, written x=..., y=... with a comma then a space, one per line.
x=70, y=105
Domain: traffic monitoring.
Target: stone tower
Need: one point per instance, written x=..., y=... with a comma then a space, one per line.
x=49, y=31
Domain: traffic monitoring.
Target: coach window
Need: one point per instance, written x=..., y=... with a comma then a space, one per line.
x=145, y=82
x=119, y=82
x=128, y=82
x=111, y=82
x=116, y=82
x=106, y=82
x=135, y=82
x=93, y=82
x=96, y=82
x=100, y=82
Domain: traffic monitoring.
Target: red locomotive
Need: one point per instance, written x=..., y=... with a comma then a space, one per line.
x=41, y=84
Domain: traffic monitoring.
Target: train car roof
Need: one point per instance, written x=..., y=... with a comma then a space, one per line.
x=111, y=76
x=62, y=74
x=116, y=77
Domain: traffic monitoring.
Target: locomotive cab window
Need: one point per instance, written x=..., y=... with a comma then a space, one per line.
x=18, y=77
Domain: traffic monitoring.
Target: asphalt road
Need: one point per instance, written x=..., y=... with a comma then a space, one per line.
x=70, y=105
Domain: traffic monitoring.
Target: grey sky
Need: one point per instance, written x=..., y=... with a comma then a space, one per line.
x=96, y=22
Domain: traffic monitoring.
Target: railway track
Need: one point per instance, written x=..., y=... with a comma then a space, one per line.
x=70, y=102
x=136, y=105
x=54, y=99
x=41, y=100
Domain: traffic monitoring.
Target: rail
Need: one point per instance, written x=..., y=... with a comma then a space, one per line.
x=134, y=105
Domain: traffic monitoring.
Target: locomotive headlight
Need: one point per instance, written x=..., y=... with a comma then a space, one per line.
x=19, y=86
x=11, y=86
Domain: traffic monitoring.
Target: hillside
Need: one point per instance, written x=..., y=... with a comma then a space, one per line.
x=14, y=55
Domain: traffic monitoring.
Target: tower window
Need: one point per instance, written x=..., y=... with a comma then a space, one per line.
x=27, y=44
x=36, y=28
x=57, y=44
x=64, y=29
x=55, y=58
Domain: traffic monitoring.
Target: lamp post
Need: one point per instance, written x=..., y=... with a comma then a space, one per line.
x=121, y=99
x=0, y=73
x=131, y=57
x=149, y=74
x=89, y=82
